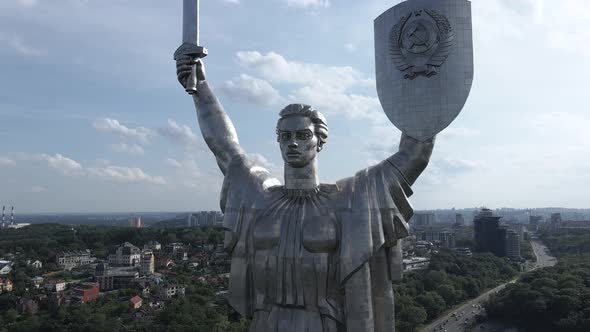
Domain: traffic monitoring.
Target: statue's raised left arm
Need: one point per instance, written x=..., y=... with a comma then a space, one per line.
x=413, y=157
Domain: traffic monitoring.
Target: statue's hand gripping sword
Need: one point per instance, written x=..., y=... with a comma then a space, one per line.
x=190, y=41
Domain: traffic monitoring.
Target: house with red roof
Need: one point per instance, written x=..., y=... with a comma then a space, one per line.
x=135, y=302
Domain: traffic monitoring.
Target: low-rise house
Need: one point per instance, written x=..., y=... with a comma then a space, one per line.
x=110, y=278
x=71, y=259
x=5, y=285
x=415, y=263
x=164, y=262
x=135, y=302
x=36, y=264
x=55, y=285
x=5, y=267
x=85, y=292
x=57, y=298
x=37, y=281
x=171, y=290
x=27, y=305
x=143, y=284
x=156, y=304
x=174, y=247
x=153, y=245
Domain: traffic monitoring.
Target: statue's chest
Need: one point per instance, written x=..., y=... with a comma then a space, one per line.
x=295, y=243
x=295, y=227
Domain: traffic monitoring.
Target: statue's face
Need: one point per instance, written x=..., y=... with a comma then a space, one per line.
x=299, y=145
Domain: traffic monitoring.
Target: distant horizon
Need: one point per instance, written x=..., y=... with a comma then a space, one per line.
x=186, y=211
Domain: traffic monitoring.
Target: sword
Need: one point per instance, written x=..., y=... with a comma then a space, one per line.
x=190, y=41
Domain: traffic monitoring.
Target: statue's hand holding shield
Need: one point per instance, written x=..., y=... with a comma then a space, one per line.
x=424, y=64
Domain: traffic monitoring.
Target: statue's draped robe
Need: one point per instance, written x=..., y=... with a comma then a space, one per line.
x=370, y=212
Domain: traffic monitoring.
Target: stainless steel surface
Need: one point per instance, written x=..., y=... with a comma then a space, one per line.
x=424, y=63
x=190, y=22
x=190, y=42
x=308, y=256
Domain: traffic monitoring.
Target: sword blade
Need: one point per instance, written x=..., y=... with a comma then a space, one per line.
x=190, y=22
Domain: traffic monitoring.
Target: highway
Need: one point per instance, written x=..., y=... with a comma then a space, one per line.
x=464, y=315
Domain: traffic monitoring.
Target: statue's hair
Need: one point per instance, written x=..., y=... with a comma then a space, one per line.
x=317, y=118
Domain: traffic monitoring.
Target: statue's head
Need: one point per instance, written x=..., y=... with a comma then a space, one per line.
x=301, y=133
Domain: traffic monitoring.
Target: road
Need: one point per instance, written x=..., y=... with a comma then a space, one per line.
x=465, y=314
x=544, y=259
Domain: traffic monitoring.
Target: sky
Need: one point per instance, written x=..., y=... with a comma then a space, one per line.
x=92, y=118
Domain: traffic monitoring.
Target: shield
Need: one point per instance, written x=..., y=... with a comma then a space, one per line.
x=424, y=63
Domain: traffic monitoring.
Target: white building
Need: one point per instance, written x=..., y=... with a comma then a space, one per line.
x=5, y=267
x=147, y=263
x=126, y=254
x=171, y=290
x=415, y=263
x=153, y=246
x=55, y=285
x=37, y=264
x=71, y=259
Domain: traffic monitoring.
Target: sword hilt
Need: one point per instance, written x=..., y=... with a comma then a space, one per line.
x=193, y=51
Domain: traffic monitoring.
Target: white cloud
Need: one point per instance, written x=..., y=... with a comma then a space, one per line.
x=572, y=127
x=275, y=68
x=131, y=149
x=458, y=132
x=173, y=162
x=252, y=90
x=64, y=165
x=17, y=43
x=7, y=161
x=125, y=174
x=308, y=3
x=350, y=47
x=114, y=126
x=333, y=101
x=37, y=189
x=190, y=175
x=459, y=165
x=103, y=169
x=27, y=3
x=181, y=134
x=231, y=1
x=274, y=169
x=326, y=88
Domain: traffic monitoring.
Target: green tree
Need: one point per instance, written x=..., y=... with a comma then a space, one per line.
x=10, y=316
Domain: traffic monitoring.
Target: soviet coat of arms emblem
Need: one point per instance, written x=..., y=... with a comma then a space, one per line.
x=424, y=63
x=420, y=42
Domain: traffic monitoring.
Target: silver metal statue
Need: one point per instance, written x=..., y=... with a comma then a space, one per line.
x=308, y=256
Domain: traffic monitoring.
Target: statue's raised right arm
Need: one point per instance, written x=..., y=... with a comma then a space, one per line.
x=217, y=129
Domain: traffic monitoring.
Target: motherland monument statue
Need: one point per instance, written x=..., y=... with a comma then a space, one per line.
x=309, y=256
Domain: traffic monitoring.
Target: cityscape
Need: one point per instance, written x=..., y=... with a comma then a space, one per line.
x=144, y=272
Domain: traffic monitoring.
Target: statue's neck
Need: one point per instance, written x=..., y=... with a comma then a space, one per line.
x=302, y=178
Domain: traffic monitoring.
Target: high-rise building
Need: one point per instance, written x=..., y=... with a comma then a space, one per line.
x=423, y=219
x=534, y=222
x=489, y=235
x=459, y=219
x=555, y=221
x=204, y=218
x=512, y=245
x=147, y=263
